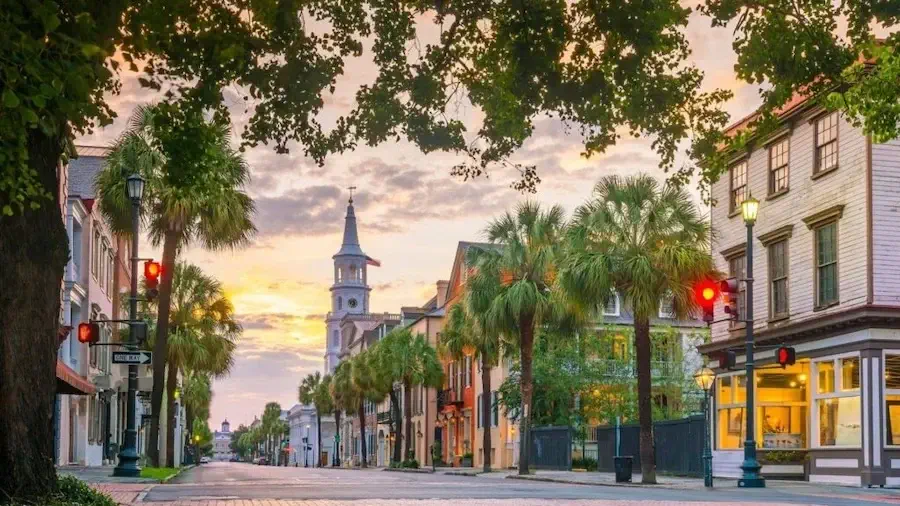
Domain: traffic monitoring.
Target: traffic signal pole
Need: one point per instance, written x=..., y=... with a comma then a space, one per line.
x=128, y=458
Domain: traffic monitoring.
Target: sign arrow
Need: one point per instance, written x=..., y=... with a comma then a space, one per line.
x=132, y=357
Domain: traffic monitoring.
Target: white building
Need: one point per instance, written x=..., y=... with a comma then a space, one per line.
x=222, y=443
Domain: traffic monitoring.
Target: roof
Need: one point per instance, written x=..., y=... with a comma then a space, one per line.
x=350, y=244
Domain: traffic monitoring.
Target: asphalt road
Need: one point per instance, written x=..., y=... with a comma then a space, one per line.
x=224, y=481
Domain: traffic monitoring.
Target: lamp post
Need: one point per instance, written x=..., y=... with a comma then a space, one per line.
x=197, y=449
x=306, y=445
x=128, y=458
x=705, y=378
x=750, y=467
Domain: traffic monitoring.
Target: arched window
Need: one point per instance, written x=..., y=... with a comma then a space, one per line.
x=335, y=339
x=340, y=274
x=340, y=303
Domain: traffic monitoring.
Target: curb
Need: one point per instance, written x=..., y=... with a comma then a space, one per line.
x=408, y=470
x=589, y=483
x=461, y=473
x=182, y=469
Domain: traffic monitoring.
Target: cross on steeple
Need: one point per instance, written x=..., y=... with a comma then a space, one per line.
x=351, y=188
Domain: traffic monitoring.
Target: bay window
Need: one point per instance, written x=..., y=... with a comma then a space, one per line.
x=837, y=418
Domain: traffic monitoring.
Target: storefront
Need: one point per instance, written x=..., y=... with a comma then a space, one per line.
x=833, y=417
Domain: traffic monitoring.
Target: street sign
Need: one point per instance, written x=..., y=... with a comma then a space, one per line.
x=132, y=357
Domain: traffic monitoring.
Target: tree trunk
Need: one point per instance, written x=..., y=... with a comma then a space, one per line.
x=645, y=409
x=526, y=344
x=160, y=349
x=318, y=455
x=398, y=434
x=33, y=253
x=361, y=413
x=171, y=383
x=486, y=418
x=407, y=415
x=336, y=458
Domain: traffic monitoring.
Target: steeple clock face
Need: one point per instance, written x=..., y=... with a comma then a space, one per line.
x=352, y=303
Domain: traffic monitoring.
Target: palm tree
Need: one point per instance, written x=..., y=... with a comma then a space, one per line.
x=464, y=336
x=196, y=396
x=647, y=243
x=347, y=397
x=271, y=421
x=202, y=335
x=412, y=362
x=512, y=290
x=314, y=390
x=384, y=385
x=184, y=201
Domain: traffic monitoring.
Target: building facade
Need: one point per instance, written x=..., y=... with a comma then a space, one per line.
x=222, y=443
x=827, y=282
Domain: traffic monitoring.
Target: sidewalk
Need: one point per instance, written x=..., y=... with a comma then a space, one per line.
x=98, y=475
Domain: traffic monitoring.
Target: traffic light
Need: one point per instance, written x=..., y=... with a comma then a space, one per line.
x=727, y=359
x=785, y=356
x=89, y=333
x=152, y=271
x=706, y=293
x=730, y=293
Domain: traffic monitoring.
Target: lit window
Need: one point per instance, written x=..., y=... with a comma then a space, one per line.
x=892, y=399
x=782, y=407
x=826, y=143
x=838, y=411
x=738, y=185
x=779, y=159
x=730, y=413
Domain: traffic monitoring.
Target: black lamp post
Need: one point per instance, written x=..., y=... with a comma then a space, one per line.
x=128, y=458
x=705, y=378
x=750, y=467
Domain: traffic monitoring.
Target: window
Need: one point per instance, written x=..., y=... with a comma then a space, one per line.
x=738, y=185
x=826, y=143
x=737, y=268
x=782, y=408
x=611, y=308
x=838, y=415
x=779, y=159
x=95, y=253
x=826, y=265
x=730, y=413
x=495, y=409
x=112, y=272
x=468, y=372
x=778, y=279
x=619, y=347
x=892, y=398
x=667, y=306
x=478, y=417
x=335, y=339
x=340, y=303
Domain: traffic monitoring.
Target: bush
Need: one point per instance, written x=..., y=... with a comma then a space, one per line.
x=587, y=464
x=410, y=464
x=75, y=492
x=468, y=455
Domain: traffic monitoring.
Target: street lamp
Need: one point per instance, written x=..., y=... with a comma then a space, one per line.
x=705, y=378
x=128, y=458
x=750, y=467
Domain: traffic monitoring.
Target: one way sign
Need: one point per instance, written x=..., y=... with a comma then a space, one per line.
x=132, y=357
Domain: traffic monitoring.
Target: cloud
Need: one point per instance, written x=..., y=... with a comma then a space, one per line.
x=311, y=211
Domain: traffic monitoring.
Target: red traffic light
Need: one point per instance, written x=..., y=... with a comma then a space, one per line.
x=88, y=333
x=785, y=356
x=706, y=293
x=152, y=270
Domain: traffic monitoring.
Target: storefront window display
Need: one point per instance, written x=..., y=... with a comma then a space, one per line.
x=892, y=397
x=838, y=416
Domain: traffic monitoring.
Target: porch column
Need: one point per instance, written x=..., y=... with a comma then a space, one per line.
x=872, y=404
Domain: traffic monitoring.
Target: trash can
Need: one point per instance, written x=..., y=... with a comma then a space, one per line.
x=623, y=469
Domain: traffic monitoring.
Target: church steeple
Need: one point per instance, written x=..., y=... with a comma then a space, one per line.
x=350, y=245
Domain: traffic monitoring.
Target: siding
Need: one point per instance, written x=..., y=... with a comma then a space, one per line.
x=886, y=222
x=846, y=185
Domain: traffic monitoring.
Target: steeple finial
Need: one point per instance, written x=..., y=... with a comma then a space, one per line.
x=351, y=188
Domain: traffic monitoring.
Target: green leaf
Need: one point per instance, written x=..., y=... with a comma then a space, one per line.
x=91, y=50
x=10, y=100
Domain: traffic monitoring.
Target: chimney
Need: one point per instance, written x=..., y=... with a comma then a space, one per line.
x=443, y=286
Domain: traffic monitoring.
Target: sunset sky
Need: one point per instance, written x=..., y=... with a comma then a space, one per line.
x=411, y=214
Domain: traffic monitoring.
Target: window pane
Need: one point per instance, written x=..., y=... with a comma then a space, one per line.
x=783, y=426
x=826, y=377
x=740, y=389
x=725, y=395
x=778, y=164
x=892, y=371
x=731, y=428
x=850, y=374
x=839, y=421
x=892, y=410
x=782, y=414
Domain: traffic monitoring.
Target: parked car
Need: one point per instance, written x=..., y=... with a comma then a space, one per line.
x=204, y=460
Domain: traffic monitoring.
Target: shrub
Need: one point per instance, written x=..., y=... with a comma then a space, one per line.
x=587, y=463
x=468, y=455
x=410, y=464
x=75, y=492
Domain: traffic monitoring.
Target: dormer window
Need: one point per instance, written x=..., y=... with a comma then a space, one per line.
x=611, y=308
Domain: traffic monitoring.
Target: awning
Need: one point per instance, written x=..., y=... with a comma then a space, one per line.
x=70, y=382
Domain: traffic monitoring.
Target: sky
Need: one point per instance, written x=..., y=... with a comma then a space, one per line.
x=411, y=214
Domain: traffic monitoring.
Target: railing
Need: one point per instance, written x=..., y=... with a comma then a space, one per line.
x=366, y=316
x=446, y=398
x=623, y=369
x=385, y=417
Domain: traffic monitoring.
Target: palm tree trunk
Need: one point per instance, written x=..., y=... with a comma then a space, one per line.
x=407, y=415
x=361, y=413
x=170, y=249
x=526, y=332
x=486, y=416
x=171, y=383
x=33, y=252
x=645, y=409
x=395, y=416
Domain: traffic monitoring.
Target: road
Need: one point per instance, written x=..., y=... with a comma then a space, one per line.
x=236, y=481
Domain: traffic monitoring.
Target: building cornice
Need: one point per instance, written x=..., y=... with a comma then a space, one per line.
x=824, y=216
x=778, y=234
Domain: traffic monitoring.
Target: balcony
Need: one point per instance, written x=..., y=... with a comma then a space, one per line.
x=448, y=398
x=626, y=369
x=385, y=418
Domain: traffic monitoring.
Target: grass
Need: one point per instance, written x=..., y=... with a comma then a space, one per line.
x=158, y=473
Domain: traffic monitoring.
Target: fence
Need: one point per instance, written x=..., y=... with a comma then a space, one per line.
x=551, y=448
x=678, y=444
